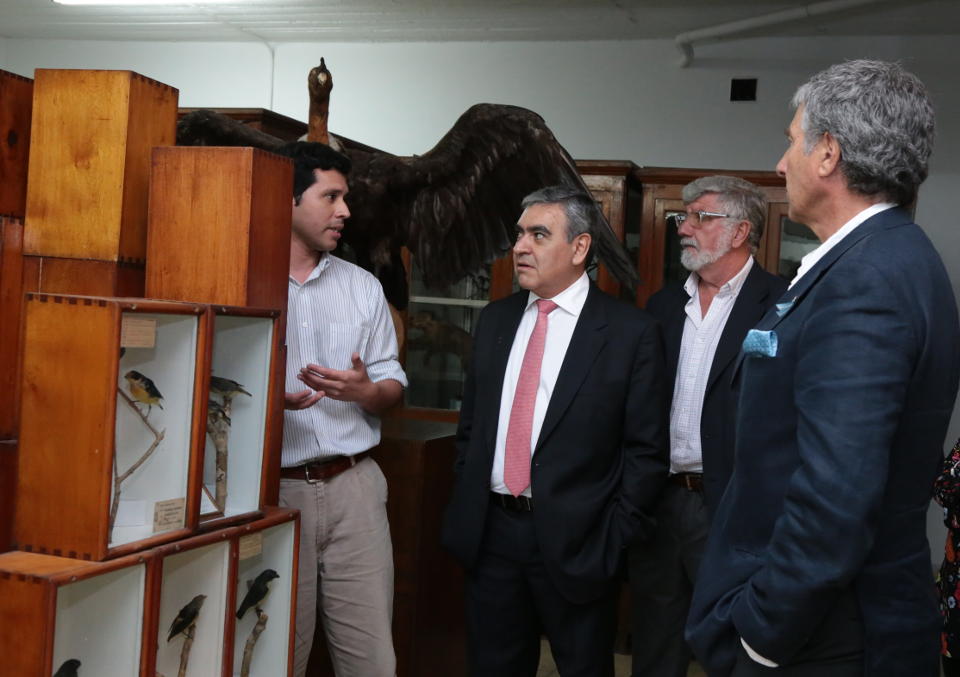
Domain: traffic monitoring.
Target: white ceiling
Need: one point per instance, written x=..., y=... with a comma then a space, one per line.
x=277, y=21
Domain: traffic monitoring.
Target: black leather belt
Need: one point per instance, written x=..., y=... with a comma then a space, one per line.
x=511, y=502
x=691, y=481
x=322, y=470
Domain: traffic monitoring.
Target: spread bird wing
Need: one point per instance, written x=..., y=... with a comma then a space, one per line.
x=454, y=207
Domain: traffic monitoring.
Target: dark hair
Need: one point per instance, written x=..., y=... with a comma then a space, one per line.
x=308, y=156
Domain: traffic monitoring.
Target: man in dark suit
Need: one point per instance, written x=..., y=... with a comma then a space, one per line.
x=704, y=322
x=819, y=562
x=561, y=452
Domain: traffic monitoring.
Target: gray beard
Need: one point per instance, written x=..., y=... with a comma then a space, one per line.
x=695, y=259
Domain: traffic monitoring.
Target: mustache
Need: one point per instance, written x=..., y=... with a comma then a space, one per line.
x=689, y=242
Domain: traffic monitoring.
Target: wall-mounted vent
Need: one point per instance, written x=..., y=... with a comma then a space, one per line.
x=743, y=89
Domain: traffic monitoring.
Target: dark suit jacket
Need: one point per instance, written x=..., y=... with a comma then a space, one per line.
x=760, y=291
x=839, y=438
x=601, y=457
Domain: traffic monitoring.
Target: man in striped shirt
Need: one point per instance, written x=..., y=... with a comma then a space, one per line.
x=342, y=346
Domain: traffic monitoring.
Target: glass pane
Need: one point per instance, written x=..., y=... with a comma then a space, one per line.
x=672, y=270
x=440, y=324
x=796, y=241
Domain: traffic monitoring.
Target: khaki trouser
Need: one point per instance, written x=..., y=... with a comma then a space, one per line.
x=345, y=571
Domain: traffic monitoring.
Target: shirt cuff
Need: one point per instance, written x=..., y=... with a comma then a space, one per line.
x=757, y=657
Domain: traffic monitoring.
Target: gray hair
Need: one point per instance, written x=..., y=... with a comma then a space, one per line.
x=883, y=120
x=740, y=198
x=580, y=208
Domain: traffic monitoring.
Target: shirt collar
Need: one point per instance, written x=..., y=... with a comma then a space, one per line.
x=570, y=299
x=731, y=286
x=808, y=261
x=322, y=265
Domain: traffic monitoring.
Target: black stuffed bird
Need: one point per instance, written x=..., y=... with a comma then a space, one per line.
x=186, y=617
x=68, y=669
x=455, y=207
x=257, y=592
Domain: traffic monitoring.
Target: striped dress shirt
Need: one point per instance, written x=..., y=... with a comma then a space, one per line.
x=338, y=310
x=701, y=335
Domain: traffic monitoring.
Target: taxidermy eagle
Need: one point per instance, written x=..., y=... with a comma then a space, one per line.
x=455, y=207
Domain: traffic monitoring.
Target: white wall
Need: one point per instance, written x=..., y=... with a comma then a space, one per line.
x=603, y=100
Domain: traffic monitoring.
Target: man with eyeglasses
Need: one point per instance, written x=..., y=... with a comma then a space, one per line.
x=704, y=322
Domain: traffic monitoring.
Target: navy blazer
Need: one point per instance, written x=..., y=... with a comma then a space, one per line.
x=718, y=416
x=601, y=457
x=840, y=430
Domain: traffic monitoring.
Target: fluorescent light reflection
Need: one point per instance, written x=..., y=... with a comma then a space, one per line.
x=169, y=3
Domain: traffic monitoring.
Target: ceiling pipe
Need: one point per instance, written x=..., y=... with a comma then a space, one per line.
x=686, y=41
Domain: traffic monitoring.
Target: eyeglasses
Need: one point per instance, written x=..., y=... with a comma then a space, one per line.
x=696, y=218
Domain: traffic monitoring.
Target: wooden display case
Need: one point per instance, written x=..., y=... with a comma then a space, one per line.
x=269, y=543
x=127, y=472
x=91, y=138
x=56, y=609
x=16, y=104
x=245, y=425
x=220, y=226
x=202, y=565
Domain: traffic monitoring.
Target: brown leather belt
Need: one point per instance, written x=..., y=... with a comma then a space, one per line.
x=322, y=470
x=691, y=481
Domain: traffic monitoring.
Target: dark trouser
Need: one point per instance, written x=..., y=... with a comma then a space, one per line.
x=834, y=650
x=511, y=601
x=662, y=573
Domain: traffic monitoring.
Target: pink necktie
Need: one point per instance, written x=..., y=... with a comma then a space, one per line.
x=516, y=462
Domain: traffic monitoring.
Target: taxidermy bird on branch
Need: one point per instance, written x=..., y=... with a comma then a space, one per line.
x=455, y=207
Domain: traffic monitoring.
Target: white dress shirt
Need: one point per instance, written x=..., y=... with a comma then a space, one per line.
x=338, y=310
x=701, y=335
x=811, y=259
x=560, y=325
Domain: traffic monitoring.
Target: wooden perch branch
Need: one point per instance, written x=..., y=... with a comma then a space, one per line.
x=262, y=619
x=185, y=650
x=118, y=478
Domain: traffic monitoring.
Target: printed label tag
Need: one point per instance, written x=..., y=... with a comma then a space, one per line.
x=138, y=332
x=168, y=514
x=251, y=545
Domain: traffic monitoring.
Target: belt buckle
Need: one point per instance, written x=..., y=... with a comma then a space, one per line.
x=306, y=475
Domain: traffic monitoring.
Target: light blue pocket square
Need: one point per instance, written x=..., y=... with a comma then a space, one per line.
x=759, y=343
x=782, y=308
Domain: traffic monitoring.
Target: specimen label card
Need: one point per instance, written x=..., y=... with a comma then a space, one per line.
x=138, y=332
x=169, y=514
x=251, y=545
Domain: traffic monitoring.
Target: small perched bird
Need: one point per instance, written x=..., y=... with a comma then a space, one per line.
x=226, y=387
x=186, y=617
x=216, y=414
x=258, y=590
x=143, y=389
x=68, y=669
